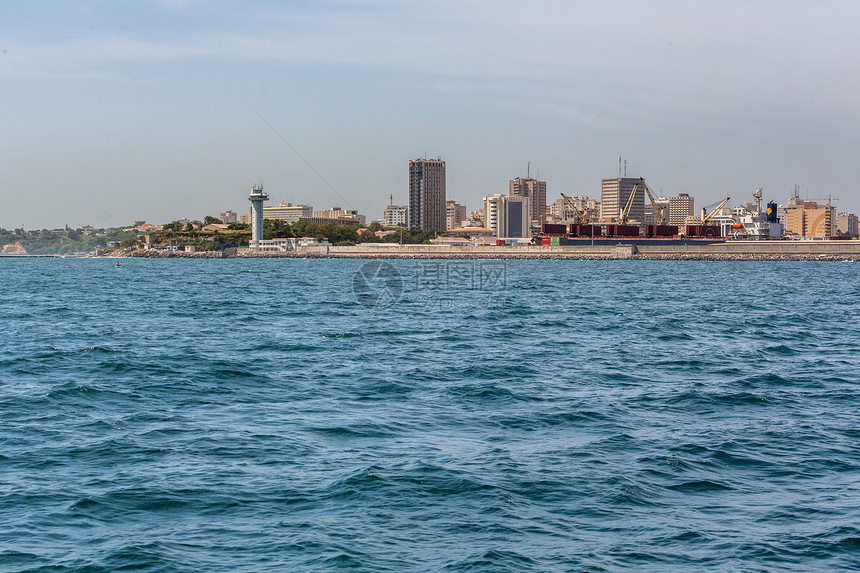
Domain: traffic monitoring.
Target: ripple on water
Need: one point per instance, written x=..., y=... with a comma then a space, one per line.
x=250, y=415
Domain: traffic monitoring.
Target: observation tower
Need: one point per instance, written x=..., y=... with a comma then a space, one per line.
x=256, y=198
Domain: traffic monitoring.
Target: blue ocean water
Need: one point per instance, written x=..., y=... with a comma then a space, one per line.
x=293, y=415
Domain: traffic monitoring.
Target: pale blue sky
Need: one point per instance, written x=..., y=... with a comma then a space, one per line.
x=114, y=111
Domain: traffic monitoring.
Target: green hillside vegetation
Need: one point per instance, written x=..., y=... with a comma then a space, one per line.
x=57, y=242
x=175, y=233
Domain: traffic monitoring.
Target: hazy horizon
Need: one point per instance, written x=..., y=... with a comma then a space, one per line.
x=159, y=110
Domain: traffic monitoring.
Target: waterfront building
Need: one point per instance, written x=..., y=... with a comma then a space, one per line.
x=507, y=216
x=614, y=194
x=338, y=213
x=651, y=217
x=330, y=220
x=793, y=202
x=396, y=216
x=228, y=217
x=809, y=219
x=724, y=219
x=455, y=214
x=471, y=232
x=427, y=194
x=846, y=223
x=681, y=207
x=288, y=212
x=535, y=191
x=560, y=210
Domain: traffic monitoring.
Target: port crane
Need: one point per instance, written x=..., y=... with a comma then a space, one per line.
x=829, y=199
x=659, y=212
x=625, y=212
x=585, y=218
x=708, y=216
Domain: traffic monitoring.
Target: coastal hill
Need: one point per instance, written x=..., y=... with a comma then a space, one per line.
x=15, y=248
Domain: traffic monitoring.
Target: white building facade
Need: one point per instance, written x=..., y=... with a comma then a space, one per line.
x=507, y=216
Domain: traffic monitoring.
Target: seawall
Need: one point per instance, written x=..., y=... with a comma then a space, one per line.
x=731, y=250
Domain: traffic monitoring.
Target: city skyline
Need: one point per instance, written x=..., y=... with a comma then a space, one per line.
x=170, y=109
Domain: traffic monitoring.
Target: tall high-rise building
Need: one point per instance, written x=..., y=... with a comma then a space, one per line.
x=533, y=189
x=427, y=194
x=614, y=194
x=680, y=207
x=455, y=214
x=507, y=216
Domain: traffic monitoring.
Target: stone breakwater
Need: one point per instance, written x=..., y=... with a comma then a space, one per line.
x=143, y=254
x=484, y=255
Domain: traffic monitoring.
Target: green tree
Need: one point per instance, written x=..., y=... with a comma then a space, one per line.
x=276, y=229
x=210, y=220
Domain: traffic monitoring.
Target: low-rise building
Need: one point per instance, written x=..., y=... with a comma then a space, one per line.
x=396, y=216
x=338, y=213
x=288, y=212
x=471, y=232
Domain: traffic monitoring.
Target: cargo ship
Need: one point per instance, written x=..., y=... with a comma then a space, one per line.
x=555, y=234
x=612, y=233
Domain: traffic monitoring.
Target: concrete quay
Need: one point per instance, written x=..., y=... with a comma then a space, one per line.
x=728, y=251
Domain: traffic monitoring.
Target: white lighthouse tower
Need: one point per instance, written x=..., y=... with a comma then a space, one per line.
x=257, y=197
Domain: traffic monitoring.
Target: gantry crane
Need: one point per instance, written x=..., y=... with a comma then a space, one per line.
x=584, y=218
